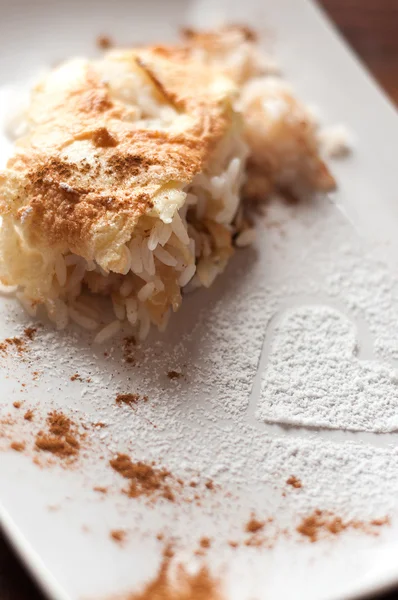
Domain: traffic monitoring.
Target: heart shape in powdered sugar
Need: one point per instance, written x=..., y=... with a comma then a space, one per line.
x=315, y=378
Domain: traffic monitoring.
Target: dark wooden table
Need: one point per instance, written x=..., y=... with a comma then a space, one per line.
x=371, y=27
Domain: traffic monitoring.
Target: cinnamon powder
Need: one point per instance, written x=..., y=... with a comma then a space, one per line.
x=294, y=482
x=18, y=446
x=321, y=523
x=104, y=42
x=144, y=479
x=118, y=535
x=184, y=586
x=174, y=375
x=61, y=438
x=28, y=416
x=129, y=399
x=15, y=342
x=253, y=525
x=29, y=332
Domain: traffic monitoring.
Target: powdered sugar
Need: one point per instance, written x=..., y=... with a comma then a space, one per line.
x=315, y=378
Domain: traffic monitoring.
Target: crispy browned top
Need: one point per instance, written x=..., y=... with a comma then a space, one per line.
x=96, y=156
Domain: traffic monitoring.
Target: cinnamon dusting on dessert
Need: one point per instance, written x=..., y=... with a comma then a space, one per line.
x=19, y=344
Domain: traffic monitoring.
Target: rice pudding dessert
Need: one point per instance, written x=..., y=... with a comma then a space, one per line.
x=134, y=173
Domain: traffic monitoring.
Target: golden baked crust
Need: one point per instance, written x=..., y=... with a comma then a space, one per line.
x=93, y=163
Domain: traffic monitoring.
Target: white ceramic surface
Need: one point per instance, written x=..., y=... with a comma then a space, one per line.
x=69, y=550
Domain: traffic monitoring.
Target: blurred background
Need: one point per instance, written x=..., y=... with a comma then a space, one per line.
x=371, y=28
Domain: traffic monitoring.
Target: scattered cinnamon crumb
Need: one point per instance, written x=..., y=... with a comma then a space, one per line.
x=17, y=343
x=160, y=537
x=253, y=525
x=100, y=489
x=13, y=342
x=30, y=332
x=380, y=522
x=18, y=446
x=209, y=484
x=294, y=482
x=233, y=544
x=145, y=479
x=104, y=42
x=62, y=437
x=17, y=404
x=205, y=542
x=118, y=535
x=174, y=375
x=28, y=416
x=130, y=399
x=75, y=377
x=320, y=523
x=182, y=586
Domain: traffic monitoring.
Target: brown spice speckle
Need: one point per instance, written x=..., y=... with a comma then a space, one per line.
x=174, y=375
x=320, y=523
x=18, y=446
x=28, y=416
x=253, y=525
x=144, y=479
x=294, y=482
x=104, y=42
x=129, y=399
x=76, y=377
x=30, y=332
x=118, y=535
x=62, y=437
x=13, y=342
x=183, y=586
x=17, y=404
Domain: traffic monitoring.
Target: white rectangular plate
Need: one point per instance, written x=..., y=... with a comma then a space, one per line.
x=288, y=362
